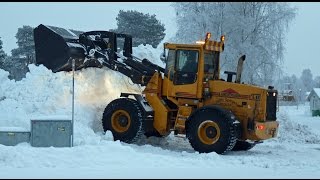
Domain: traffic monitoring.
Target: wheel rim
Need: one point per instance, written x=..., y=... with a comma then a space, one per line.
x=120, y=121
x=209, y=132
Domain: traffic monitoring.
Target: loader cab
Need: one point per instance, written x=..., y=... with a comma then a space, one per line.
x=187, y=66
x=184, y=65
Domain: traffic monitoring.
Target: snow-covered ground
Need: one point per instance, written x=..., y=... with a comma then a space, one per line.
x=295, y=153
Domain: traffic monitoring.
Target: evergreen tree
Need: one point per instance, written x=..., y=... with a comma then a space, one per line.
x=17, y=63
x=16, y=67
x=25, y=50
x=317, y=82
x=144, y=28
x=307, y=80
x=2, y=55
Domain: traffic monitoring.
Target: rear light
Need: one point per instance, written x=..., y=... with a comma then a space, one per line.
x=260, y=127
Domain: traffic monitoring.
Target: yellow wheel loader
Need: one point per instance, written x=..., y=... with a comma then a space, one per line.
x=187, y=97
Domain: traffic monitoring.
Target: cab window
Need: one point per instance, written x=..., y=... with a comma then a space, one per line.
x=170, y=63
x=186, y=67
x=187, y=61
x=210, y=64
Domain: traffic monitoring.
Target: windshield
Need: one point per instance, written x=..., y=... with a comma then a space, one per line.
x=187, y=61
x=211, y=62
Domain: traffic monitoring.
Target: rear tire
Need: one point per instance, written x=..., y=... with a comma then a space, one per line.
x=243, y=146
x=210, y=130
x=124, y=118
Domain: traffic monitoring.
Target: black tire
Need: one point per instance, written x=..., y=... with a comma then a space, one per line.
x=222, y=120
x=128, y=107
x=243, y=146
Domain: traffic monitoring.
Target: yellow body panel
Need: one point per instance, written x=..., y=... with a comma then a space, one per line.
x=183, y=113
x=152, y=92
x=186, y=90
x=247, y=102
x=160, y=113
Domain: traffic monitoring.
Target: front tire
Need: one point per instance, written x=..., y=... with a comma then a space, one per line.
x=124, y=118
x=210, y=130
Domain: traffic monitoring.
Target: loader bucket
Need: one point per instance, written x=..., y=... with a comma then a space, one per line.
x=55, y=48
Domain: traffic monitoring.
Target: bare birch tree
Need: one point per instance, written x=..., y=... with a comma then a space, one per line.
x=256, y=29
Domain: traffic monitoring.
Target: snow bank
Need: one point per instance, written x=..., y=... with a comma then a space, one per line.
x=43, y=93
x=149, y=53
x=292, y=129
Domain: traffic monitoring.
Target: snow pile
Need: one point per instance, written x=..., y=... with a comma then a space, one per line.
x=290, y=130
x=43, y=93
x=149, y=53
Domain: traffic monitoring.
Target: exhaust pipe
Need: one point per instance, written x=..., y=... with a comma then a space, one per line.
x=239, y=68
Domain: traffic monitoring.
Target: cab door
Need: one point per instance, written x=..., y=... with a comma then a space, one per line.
x=183, y=67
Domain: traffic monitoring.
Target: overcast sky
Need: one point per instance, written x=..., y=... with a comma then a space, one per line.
x=302, y=45
x=85, y=16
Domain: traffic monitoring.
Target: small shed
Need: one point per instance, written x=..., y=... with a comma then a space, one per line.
x=314, y=98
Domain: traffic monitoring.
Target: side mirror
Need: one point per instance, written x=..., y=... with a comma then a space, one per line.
x=163, y=57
